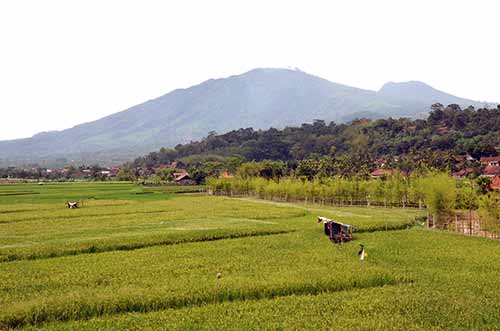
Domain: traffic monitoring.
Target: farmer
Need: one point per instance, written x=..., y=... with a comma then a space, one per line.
x=72, y=205
x=362, y=253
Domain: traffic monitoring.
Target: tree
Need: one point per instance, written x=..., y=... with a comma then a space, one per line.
x=234, y=162
x=198, y=175
x=248, y=170
x=165, y=174
x=489, y=211
x=272, y=169
x=126, y=174
x=440, y=196
x=212, y=168
x=483, y=184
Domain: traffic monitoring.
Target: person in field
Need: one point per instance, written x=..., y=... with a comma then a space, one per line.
x=362, y=253
x=72, y=205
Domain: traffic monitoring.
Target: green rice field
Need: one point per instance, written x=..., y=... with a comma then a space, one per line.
x=134, y=258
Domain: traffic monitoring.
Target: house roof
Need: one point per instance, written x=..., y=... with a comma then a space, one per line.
x=380, y=172
x=180, y=176
x=490, y=159
x=495, y=183
x=491, y=170
x=462, y=172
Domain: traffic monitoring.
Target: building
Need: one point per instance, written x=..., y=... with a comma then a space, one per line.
x=491, y=171
x=495, y=183
x=380, y=173
x=183, y=178
x=114, y=171
x=443, y=129
x=462, y=173
x=490, y=161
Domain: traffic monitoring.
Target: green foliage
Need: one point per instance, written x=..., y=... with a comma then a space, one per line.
x=248, y=170
x=126, y=174
x=165, y=174
x=394, y=191
x=489, y=210
x=467, y=195
x=440, y=195
x=272, y=169
x=213, y=169
x=483, y=184
x=351, y=149
x=234, y=162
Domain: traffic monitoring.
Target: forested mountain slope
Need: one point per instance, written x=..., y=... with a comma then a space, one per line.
x=261, y=98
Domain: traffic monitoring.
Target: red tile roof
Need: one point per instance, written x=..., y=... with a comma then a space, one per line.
x=487, y=159
x=491, y=171
x=462, y=173
x=495, y=183
x=380, y=172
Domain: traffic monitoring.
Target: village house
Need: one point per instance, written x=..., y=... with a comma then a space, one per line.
x=380, y=173
x=491, y=171
x=183, y=178
x=443, y=129
x=495, y=183
x=463, y=173
x=490, y=161
x=114, y=171
x=383, y=173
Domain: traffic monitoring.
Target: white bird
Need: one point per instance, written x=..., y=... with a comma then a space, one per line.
x=218, y=275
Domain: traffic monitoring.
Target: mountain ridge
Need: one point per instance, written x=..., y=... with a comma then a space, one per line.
x=260, y=98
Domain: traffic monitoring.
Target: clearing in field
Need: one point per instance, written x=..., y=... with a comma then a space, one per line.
x=129, y=260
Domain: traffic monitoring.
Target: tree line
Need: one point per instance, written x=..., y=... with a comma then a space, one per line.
x=437, y=191
x=354, y=147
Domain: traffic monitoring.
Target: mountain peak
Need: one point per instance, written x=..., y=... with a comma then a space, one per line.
x=405, y=86
x=419, y=93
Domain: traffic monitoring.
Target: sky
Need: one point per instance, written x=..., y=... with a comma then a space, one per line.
x=66, y=62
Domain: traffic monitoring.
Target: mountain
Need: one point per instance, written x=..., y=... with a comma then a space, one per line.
x=415, y=97
x=260, y=98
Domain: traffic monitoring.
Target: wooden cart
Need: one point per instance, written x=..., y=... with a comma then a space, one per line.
x=336, y=231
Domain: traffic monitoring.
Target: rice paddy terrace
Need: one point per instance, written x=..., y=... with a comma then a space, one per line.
x=147, y=259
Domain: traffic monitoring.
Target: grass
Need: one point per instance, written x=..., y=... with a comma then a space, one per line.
x=62, y=192
x=177, y=277
x=49, y=230
x=154, y=261
x=442, y=287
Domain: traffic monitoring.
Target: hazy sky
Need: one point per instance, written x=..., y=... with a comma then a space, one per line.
x=67, y=62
